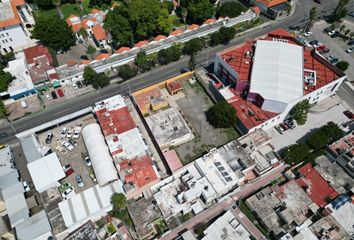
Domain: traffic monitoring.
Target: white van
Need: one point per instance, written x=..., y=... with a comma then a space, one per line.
x=24, y=104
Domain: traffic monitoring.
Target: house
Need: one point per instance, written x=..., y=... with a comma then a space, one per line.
x=99, y=36
x=271, y=8
x=262, y=91
x=16, y=21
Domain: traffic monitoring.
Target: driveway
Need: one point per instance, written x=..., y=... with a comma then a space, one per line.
x=328, y=110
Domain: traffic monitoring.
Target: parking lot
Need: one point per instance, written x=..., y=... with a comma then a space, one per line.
x=328, y=110
x=73, y=155
x=336, y=45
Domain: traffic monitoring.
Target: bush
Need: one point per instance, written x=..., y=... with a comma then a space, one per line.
x=222, y=115
x=126, y=72
x=342, y=65
x=230, y=9
x=119, y=201
x=299, y=112
x=200, y=228
x=296, y=153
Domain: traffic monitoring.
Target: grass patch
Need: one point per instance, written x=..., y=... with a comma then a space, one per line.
x=186, y=217
x=100, y=223
x=243, y=26
x=231, y=134
x=200, y=228
x=123, y=215
x=160, y=226
x=111, y=229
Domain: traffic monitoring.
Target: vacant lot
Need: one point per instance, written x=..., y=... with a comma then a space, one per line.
x=194, y=106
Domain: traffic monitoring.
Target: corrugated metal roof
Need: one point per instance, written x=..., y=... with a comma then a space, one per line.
x=31, y=148
x=34, y=227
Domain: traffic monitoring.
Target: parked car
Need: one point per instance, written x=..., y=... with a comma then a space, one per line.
x=69, y=133
x=351, y=14
x=74, y=86
x=54, y=95
x=26, y=187
x=334, y=60
x=350, y=43
x=334, y=35
x=307, y=34
x=63, y=133
x=68, y=145
x=330, y=33
x=348, y=114
x=349, y=50
x=79, y=181
x=60, y=93
x=317, y=1
x=77, y=132
x=68, y=170
x=67, y=193
x=323, y=49
x=3, y=135
x=290, y=123
x=92, y=176
x=279, y=129
x=88, y=161
x=313, y=42
x=73, y=142
x=84, y=57
x=49, y=138
x=79, y=85
x=47, y=96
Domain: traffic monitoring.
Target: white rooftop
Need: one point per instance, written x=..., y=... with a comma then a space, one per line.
x=277, y=72
x=89, y=204
x=46, y=172
x=344, y=216
x=112, y=103
x=132, y=143
x=226, y=227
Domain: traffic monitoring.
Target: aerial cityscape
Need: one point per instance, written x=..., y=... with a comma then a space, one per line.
x=176, y=119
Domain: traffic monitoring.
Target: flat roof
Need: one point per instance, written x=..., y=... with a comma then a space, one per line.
x=344, y=216
x=172, y=159
x=280, y=79
x=46, y=172
x=317, y=188
x=31, y=148
x=37, y=226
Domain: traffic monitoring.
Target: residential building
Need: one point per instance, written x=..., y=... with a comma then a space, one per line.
x=37, y=227
x=272, y=8
x=342, y=210
x=16, y=21
x=263, y=91
x=342, y=152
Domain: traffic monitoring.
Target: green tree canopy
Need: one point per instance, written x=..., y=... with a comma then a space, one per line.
x=299, y=112
x=199, y=11
x=296, y=153
x=342, y=65
x=230, y=9
x=222, y=115
x=54, y=33
x=317, y=140
x=3, y=110
x=99, y=3
x=126, y=72
x=91, y=50
x=313, y=13
x=223, y=36
x=332, y=131
x=45, y=4
x=97, y=80
x=143, y=62
x=119, y=201
x=193, y=46
x=171, y=54
x=5, y=79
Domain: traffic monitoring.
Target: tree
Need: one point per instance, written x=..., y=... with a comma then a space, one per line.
x=126, y=72
x=215, y=38
x=97, y=80
x=99, y=3
x=222, y=115
x=299, y=112
x=117, y=23
x=164, y=22
x=54, y=33
x=171, y=54
x=227, y=33
x=338, y=16
x=5, y=79
x=230, y=9
x=119, y=201
x=313, y=13
x=340, y=6
x=317, y=140
x=3, y=110
x=346, y=32
x=342, y=65
x=142, y=62
x=296, y=153
x=199, y=11
x=44, y=4
x=332, y=131
x=193, y=46
x=341, y=28
x=83, y=33
x=192, y=62
x=91, y=50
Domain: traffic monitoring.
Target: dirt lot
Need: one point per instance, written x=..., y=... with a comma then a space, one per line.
x=17, y=111
x=74, y=157
x=194, y=106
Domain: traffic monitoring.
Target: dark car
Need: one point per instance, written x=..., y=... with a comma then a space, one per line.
x=3, y=135
x=334, y=60
x=334, y=35
x=351, y=43
x=49, y=138
x=317, y=1
x=290, y=123
x=104, y=51
x=73, y=142
x=54, y=95
x=84, y=57
x=79, y=84
x=348, y=114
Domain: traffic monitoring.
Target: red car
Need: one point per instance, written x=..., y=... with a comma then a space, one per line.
x=348, y=114
x=60, y=93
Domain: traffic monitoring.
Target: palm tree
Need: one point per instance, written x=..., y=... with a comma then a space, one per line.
x=184, y=14
x=340, y=6
x=57, y=3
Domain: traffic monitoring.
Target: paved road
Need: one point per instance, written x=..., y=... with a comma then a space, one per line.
x=158, y=74
x=218, y=208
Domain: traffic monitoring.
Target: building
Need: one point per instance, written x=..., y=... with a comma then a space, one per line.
x=316, y=187
x=169, y=128
x=16, y=21
x=37, y=227
x=21, y=86
x=328, y=228
x=226, y=227
x=172, y=159
x=263, y=92
x=342, y=152
x=272, y=8
x=343, y=214
x=174, y=87
x=151, y=99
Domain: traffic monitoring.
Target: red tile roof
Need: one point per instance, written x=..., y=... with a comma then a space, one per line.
x=16, y=18
x=85, y=22
x=122, y=50
x=102, y=56
x=94, y=11
x=271, y=3
x=176, y=32
x=317, y=188
x=143, y=99
x=76, y=26
x=84, y=62
x=115, y=121
x=209, y=21
x=193, y=26
x=174, y=86
x=256, y=10
x=140, y=171
x=160, y=37
x=173, y=161
x=141, y=44
x=99, y=33
x=37, y=51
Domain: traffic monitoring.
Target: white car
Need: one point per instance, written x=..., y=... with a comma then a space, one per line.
x=68, y=192
x=332, y=32
x=47, y=96
x=75, y=86
x=349, y=50
x=69, y=134
x=77, y=132
x=63, y=133
x=307, y=34
x=316, y=45
x=68, y=145
x=26, y=186
x=88, y=161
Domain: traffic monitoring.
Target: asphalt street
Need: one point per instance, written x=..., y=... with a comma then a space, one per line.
x=299, y=17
